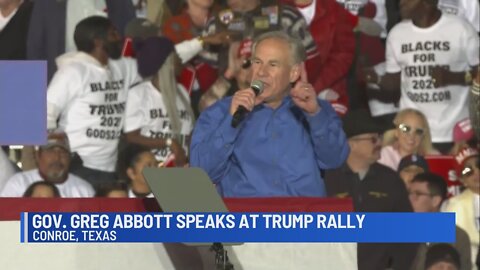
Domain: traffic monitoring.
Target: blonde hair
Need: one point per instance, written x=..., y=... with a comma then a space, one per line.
x=425, y=146
x=169, y=89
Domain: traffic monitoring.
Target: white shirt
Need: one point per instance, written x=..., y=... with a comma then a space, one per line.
x=4, y=20
x=308, y=12
x=73, y=187
x=467, y=9
x=146, y=111
x=450, y=42
x=377, y=107
x=90, y=101
x=6, y=169
x=132, y=195
x=476, y=209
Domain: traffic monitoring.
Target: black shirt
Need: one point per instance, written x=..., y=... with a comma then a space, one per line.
x=381, y=190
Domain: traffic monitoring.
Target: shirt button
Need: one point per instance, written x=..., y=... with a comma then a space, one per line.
x=274, y=135
x=227, y=145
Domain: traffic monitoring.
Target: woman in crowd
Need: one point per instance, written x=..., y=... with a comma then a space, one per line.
x=410, y=136
x=42, y=189
x=117, y=190
x=158, y=112
x=134, y=158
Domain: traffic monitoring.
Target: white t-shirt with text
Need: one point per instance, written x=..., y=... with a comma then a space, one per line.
x=146, y=111
x=90, y=101
x=452, y=43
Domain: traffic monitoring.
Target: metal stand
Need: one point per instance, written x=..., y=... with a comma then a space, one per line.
x=221, y=257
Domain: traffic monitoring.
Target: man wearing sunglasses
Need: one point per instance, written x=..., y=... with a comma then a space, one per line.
x=466, y=204
x=373, y=187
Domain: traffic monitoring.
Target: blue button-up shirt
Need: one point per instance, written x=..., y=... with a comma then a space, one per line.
x=273, y=152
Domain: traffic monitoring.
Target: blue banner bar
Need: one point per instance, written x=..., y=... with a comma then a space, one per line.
x=239, y=227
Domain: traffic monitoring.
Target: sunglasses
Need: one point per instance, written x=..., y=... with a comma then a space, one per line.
x=372, y=139
x=404, y=128
x=246, y=63
x=468, y=170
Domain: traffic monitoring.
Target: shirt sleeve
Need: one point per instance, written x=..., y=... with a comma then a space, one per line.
x=132, y=76
x=328, y=138
x=471, y=13
x=135, y=116
x=392, y=64
x=471, y=44
x=188, y=49
x=64, y=87
x=213, y=140
x=13, y=187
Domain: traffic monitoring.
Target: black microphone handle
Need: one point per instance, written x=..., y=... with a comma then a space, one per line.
x=238, y=116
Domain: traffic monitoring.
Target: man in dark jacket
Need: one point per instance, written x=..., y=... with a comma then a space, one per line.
x=373, y=188
x=14, y=20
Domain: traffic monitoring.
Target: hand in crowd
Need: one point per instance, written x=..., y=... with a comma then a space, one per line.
x=370, y=76
x=220, y=38
x=180, y=155
x=439, y=76
x=303, y=94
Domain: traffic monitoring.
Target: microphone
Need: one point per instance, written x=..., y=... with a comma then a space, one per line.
x=239, y=115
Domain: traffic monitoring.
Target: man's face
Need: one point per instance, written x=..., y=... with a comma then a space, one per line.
x=242, y=5
x=421, y=199
x=471, y=178
x=366, y=146
x=409, y=8
x=4, y=3
x=53, y=163
x=113, y=44
x=443, y=266
x=408, y=173
x=201, y=3
x=272, y=64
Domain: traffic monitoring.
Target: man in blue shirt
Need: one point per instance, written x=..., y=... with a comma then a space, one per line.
x=285, y=140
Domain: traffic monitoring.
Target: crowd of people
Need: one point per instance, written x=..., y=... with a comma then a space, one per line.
x=309, y=98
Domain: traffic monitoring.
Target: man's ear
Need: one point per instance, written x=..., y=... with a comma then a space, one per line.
x=295, y=72
x=437, y=201
x=97, y=43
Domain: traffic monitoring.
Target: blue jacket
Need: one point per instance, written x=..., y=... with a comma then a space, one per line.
x=272, y=153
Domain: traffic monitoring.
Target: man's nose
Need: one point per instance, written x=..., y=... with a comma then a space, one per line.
x=262, y=71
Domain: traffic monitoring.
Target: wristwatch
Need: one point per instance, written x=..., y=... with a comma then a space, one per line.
x=468, y=77
x=169, y=142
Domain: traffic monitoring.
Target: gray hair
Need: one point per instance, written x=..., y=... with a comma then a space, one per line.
x=297, y=50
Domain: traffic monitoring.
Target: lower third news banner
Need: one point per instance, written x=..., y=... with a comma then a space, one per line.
x=237, y=227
